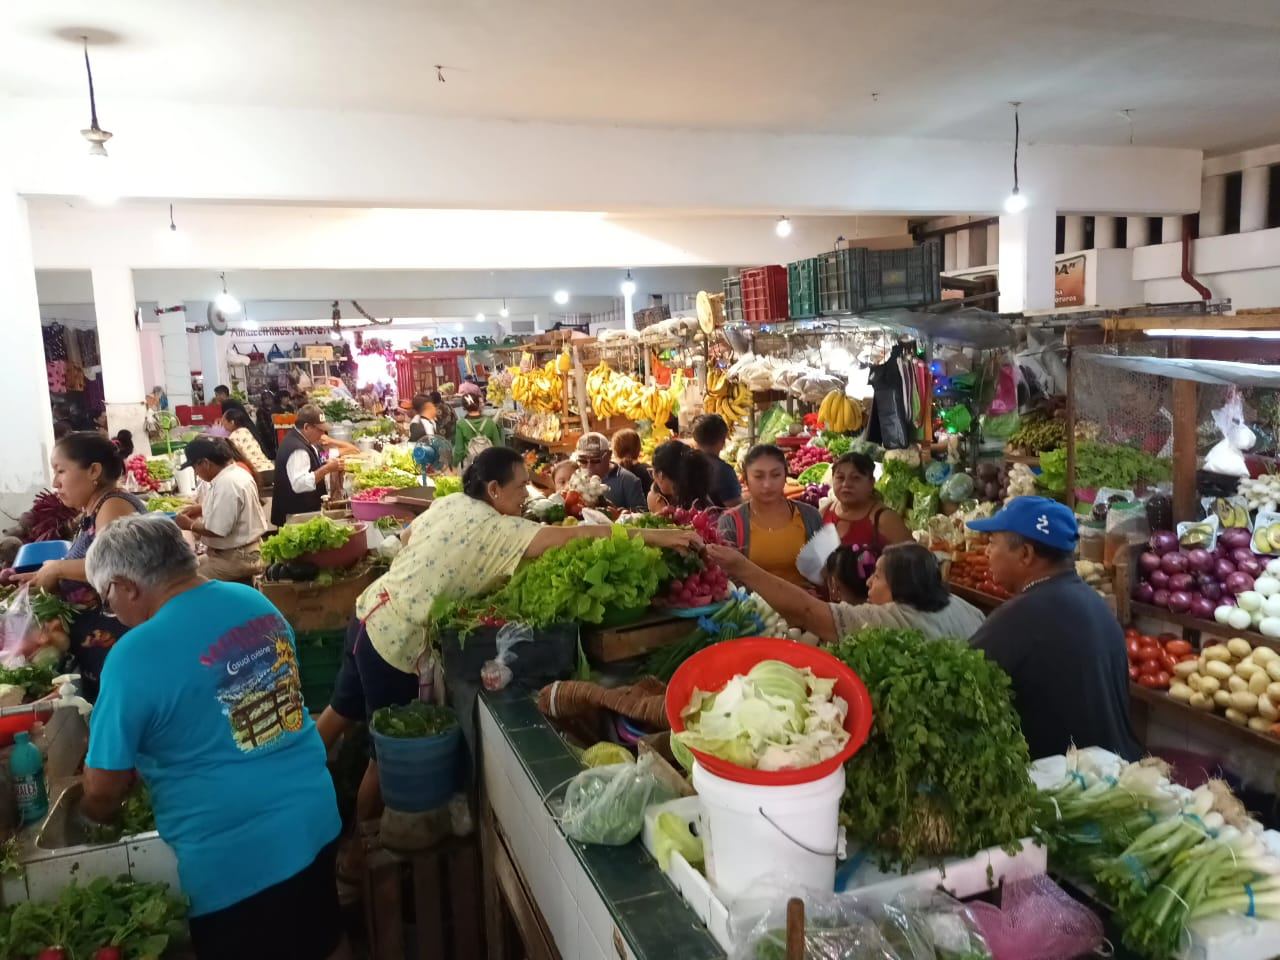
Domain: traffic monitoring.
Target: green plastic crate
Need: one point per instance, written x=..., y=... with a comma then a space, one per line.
x=841, y=282
x=732, y=300
x=903, y=278
x=319, y=659
x=802, y=288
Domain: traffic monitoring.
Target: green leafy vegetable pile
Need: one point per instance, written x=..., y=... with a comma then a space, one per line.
x=1039, y=433
x=137, y=816
x=141, y=920
x=337, y=411
x=414, y=720
x=166, y=504
x=944, y=769
x=446, y=484
x=160, y=469
x=296, y=539
x=382, y=427
x=36, y=680
x=385, y=477
x=1102, y=465
x=895, y=484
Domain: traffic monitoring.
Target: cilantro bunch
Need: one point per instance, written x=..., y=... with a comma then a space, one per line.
x=1102, y=465
x=296, y=539
x=944, y=769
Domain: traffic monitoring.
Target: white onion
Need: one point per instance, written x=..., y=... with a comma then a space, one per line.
x=1239, y=619
x=1223, y=614
x=1267, y=586
x=1269, y=627
x=1249, y=600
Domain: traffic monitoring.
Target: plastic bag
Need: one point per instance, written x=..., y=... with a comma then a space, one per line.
x=954, y=931
x=812, y=559
x=496, y=673
x=606, y=805
x=1227, y=455
x=1038, y=920
x=19, y=630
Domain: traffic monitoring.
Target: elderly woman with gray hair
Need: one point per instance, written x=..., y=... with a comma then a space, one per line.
x=202, y=698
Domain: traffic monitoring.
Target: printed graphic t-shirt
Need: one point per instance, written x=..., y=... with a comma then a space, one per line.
x=204, y=700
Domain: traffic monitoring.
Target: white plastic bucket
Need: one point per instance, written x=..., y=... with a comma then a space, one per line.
x=749, y=831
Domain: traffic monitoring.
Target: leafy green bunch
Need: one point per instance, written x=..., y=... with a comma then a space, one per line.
x=580, y=581
x=1102, y=465
x=413, y=720
x=944, y=769
x=895, y=484
x=296, y=539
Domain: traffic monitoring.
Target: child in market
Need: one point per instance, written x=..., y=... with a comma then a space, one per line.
x=561, y=473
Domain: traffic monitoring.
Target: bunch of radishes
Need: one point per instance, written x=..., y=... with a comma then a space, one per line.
x=806, y=457
x=137, y=467
x=372, y=495
x=703, y=588
x=704, y=523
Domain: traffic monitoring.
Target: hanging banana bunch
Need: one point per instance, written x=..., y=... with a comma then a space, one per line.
x=840, y=413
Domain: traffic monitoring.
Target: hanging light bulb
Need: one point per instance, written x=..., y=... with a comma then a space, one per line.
x=628, y=286
x=225, y=302
x=1015, y=202
x=783, y=227
x=504, y=312
x=479, y=318
x=96, y=136
x=561, y=297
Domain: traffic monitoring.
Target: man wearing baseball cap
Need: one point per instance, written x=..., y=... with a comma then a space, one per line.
x=625, y=490
x=1056, y=638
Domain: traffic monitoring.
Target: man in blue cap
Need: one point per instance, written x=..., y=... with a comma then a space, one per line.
x=1056, y=638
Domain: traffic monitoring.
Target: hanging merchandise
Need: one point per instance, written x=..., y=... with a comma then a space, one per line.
x=56, y=373
x=55, y=342
x=87, y=342
x=74, y=377
x=889, y=411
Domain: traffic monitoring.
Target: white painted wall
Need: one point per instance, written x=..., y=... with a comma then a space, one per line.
x=1244, y=267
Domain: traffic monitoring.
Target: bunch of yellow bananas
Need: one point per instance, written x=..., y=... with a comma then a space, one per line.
x=649, y=403
x=540, y=389
x=717, y=383
x=840, y=413
x=733, y=403
x=611, y=393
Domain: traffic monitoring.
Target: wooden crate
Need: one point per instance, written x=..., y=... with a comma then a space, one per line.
x=609, y=644
x=427, y=906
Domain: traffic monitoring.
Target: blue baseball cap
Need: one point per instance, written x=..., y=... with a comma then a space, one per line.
x=1035, y=518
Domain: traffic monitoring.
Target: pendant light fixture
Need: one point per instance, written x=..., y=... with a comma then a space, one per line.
x=783, y=227
x=628, y=286
x=173, y=227
x=96, y=136
x=225, y=301
x=504, y=312
x=1015, y=202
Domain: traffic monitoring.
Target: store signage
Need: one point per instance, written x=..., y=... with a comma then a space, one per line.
x=1068, y=282
x=447, y=343
x=318, y=351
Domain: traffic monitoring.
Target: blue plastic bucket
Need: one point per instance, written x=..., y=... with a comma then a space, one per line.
x=419, y=773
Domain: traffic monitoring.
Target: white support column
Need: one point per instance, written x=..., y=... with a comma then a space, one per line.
x=628, y=312
x=1171, y=230
x=1137, y=232
x=177, y=358
x=1027, y=242
x=1104, y=233
x=964, y=258
x=1254, y=187
x=24, y=387
x=121, y=348
x=993, y=244
x=213, y=352
x=1073, y=238
x=1213, y=201
x=948, y=251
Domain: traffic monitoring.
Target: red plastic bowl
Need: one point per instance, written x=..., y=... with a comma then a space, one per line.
x=16, y=723
x=348, y=555
x=711, y=668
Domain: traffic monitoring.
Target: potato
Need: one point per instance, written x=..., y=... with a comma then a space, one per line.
x=1267, y=708
x=1209, y=685
x=1273, y=691
x=1200, y=701
x=1245, y=702
x=1239, y=647
x=1237, y=684
x=1180, y=692
x=1184, y=669
x=1219, y=670
x=1258, y=684
x=1247, y=669
x=1258, y=725
x=1264, y=655
x=1236, y=717
x=1222, y=699
x=1273, y=669
x=1217, y=651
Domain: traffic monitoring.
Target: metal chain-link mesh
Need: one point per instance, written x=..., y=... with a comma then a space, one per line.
x=1119, y=406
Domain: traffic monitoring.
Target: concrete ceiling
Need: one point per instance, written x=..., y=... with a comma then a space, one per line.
x=1195, y=74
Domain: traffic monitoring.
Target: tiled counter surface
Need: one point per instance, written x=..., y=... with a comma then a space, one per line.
x=599, y=903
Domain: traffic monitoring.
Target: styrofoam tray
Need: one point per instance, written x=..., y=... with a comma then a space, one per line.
x=962, y=878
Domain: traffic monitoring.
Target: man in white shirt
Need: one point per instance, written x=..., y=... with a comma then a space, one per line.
x=300, y=474
x=229, y=519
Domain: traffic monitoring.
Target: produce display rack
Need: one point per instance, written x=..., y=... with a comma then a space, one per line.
x=1210, y=720
x=1197, y=626
x=983, y=601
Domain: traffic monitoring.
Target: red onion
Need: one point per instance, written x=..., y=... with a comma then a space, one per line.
x=1164, y=541
x=1223, y=569
x=1202, y=607
x=1182, y=581
x=1180, y=601
x=1235, y=537
x=1172, y=563
x=1253, y=567
x=1149, y=561
x=1210, y=589
x=1158, y=579
x=1240, y=554
x=1143, y=592
x=1199, y=560
x=1160, y=598
x=1238, y=583
x=1221, y=551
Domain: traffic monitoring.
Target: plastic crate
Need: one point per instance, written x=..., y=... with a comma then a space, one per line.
x=901, y=278
x=732, y=300
x=802, y=288
x=320, y=656
x=648, y=316
x=764, y=294
x=841, y=282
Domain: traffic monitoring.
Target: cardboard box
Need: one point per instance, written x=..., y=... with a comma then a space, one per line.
x=309, y=606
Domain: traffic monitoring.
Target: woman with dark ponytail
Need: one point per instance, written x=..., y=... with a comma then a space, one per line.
x=681, y=478
x=87, y=469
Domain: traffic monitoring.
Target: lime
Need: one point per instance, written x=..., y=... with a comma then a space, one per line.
x=603, y=754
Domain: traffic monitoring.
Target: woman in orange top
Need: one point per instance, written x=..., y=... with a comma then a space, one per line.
x=770, y=529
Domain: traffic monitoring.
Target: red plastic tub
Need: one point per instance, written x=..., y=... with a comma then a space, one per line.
x=764, y=294
x=711, y=668
x=347, y=555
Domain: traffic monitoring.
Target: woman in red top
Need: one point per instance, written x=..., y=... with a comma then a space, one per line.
x=858, y=515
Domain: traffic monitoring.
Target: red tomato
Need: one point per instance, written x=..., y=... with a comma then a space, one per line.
x=1148, y=680
x=1149, y=668
x=1162, y=679
x=1179, y=648
x=1189, y=656
x=1151, y=652
x=1133, y=671
x=1132, y=632
x=1133, y=647
x=1168, y=662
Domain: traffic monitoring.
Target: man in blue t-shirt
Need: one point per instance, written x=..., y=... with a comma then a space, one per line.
x=710, y=433
x=204, y=701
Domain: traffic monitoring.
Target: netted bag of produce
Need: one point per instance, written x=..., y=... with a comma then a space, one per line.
x=606, y=805
x=1038, y=920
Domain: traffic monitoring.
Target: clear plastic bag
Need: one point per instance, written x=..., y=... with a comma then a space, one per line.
x=496, y=673
x=836, y=927
x=19, y=629
x=954, y=931
x=1038, y=920
x=606, y=805
x=1227, y=455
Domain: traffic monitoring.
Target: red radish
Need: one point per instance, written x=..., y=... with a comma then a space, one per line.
x=108, y=953
x=52, y=953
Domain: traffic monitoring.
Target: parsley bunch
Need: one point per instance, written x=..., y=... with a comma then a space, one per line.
x=944, y=769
